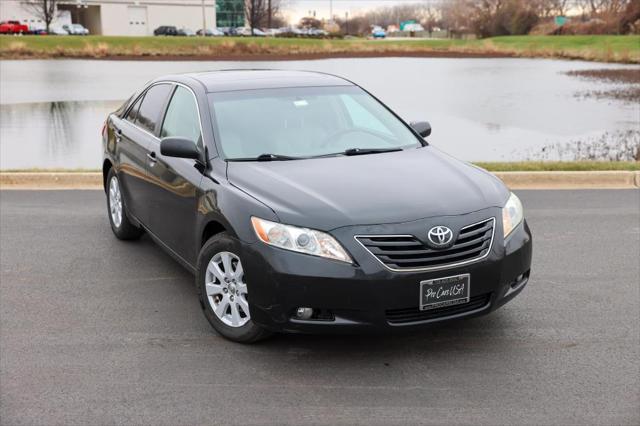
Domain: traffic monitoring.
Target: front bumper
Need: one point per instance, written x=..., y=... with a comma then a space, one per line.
x=367, y=296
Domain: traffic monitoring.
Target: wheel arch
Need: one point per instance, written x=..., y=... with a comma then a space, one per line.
x=106, y=166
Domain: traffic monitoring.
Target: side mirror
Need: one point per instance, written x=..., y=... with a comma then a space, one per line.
x=422, y=127
x=179, y=147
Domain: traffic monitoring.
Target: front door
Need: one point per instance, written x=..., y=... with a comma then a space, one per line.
x=176, y=181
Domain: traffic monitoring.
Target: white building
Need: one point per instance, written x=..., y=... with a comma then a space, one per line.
x=119, y=17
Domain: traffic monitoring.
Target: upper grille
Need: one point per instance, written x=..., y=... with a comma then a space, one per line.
x=406, y=252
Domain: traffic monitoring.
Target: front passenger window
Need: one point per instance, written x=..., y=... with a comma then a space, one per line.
x=182, y=117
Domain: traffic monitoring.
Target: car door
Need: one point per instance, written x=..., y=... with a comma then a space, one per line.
x=137, y=136
x=131, y=158
x=176, y=181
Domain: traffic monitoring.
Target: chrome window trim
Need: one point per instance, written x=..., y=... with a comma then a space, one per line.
x=195, y=99
x=172, y=83
x=430, y=268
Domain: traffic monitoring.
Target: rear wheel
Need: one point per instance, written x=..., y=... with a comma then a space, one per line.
x=121, y=226
x=224, y=292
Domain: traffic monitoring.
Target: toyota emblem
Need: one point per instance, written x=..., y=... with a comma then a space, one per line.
x=440, y=236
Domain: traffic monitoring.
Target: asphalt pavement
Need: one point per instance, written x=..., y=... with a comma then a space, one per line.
x=98, y=331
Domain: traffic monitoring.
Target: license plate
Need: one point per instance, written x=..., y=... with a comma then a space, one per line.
x=442, y=292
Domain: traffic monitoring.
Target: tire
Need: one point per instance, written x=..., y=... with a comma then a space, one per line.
x=230, y=297
x=121, y=226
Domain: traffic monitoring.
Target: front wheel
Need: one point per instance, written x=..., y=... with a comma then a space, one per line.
x=223, y=291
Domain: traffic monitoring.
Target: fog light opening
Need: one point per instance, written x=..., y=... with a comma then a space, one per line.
x=313, y=314
x=520, y=280
x=304, y=313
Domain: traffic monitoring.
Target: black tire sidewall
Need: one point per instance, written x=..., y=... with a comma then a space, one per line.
x=250, y=332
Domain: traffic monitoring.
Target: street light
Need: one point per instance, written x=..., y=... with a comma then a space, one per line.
x=204, y=20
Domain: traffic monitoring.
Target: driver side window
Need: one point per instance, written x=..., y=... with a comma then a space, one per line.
x=182, y=117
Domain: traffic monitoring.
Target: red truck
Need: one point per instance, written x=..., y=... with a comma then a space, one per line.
x=13, y=27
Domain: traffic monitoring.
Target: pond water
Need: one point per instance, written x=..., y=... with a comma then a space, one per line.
x=51, y=112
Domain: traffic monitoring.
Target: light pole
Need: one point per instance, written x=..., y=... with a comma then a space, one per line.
x=346, y=22
x=204, y=20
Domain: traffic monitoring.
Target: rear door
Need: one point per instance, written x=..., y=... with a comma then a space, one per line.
x=135, y=135
x=131, y=158
x=176, y=181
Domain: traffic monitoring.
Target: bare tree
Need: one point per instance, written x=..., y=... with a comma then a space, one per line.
x=255, y=11
x=262, y=13
x=45, y=10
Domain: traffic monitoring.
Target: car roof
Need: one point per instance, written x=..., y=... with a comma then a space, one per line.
x=232, y=80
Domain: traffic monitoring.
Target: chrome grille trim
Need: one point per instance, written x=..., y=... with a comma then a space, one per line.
x=436, y=267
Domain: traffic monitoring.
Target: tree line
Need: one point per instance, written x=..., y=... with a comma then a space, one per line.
x=488, y=18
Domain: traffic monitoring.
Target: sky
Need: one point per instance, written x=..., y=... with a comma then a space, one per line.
x=296, y=9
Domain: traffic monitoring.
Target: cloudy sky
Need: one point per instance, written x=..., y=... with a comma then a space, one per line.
x=295, y=9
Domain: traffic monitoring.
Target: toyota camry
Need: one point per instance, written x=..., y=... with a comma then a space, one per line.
x=301, y=203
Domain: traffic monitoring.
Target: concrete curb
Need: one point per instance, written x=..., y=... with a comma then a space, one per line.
x=515, y=180
x=50, y=180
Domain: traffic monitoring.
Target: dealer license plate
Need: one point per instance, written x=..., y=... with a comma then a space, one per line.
x=443, y=292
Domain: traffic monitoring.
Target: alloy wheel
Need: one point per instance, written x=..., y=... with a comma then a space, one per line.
x=226, y=289
x=115, y=202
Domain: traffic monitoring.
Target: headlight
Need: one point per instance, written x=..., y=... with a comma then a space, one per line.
x=512, y=214
x=302, y=240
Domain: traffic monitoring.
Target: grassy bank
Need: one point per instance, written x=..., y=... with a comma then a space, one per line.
x=522, y=166
x=624, y=49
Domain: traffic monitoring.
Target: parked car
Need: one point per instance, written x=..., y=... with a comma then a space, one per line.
x=247, y=32
x=243, y=31
x=290, y=32
x=186, y=32
x=13, y=27
x=75, y=29
x=57, y=30
x=314, y=208
x=211, y=32
x=228, y=31
x=37, y=29
x=378, y=32
x=166, y=30
x=317, y=32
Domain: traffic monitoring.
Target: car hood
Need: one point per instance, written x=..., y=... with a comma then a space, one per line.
x=332, y=192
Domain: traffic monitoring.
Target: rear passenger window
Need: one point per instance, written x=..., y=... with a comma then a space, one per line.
x=131, y=115
x=182, y=117
x=152, y=105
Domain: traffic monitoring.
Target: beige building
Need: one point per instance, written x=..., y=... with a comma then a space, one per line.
x=119, y=17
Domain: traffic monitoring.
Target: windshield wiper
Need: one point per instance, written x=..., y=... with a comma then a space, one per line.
x=363, y=151
x=267, y=157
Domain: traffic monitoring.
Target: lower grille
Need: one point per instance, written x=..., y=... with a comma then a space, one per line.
x=402, y=316
x=406, y=252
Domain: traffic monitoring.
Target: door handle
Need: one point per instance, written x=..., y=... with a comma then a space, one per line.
x=152, y=157
x=118, y=135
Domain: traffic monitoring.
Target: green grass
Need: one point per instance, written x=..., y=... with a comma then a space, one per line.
x=560, y=166
x=522, y=166
x=599, y=48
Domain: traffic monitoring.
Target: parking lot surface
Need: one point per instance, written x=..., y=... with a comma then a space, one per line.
x=98, y=331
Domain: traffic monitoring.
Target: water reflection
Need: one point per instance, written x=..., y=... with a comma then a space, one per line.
x=51, y=112
x=52, y=134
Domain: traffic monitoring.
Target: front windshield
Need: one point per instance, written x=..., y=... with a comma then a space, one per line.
x=305, y=122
